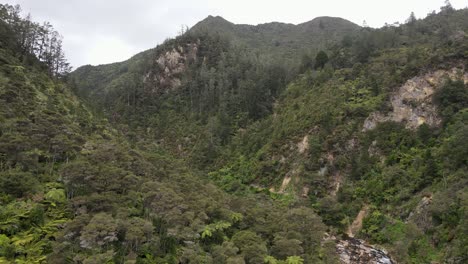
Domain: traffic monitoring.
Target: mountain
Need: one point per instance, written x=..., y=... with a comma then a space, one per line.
x=214, y=49
x=211, y=148
x=280, y=41
x=273, y=42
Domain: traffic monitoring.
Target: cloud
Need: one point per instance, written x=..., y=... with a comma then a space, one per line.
x=102, y=31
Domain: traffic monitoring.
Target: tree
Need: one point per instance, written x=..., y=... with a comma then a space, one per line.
x=283, y=247
x=294, y=260
x=447, y=7
x=222, y=254
x=17, y=183
x=451, y=97
x=251, y=246
x=304, y=221
x=75, y=175
x=411, y=19
x=33, y=39
x=105, y=257
x=306, y=62
x=455, y=147
x=101, y=231
x=137, y=231
x=320, y=60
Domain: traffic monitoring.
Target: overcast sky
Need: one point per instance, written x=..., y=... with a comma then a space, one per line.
x=105, y=31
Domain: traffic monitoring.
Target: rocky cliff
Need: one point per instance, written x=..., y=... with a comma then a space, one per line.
x=412, y=102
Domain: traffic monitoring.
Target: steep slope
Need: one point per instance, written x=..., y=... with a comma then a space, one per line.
x=275, y=42
x=375, y=133
x=43, y=125
x=183, y=95
x=202, y=78
x=73, y=190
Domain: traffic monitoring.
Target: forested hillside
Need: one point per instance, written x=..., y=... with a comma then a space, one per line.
x=280, y=42
x=73, y=190
x=323, y=142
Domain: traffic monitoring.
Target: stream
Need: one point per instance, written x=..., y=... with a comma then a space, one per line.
x=357, y=251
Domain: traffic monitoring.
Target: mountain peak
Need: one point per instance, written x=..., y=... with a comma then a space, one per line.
x=215, y=18
x=209, y=20
x=328, y=20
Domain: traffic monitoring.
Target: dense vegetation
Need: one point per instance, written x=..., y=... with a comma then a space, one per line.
x=236, y=144
x=74, y=190
x=33, y=41
x=281, y=43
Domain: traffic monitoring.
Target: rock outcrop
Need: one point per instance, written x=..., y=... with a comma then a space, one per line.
x=356, y=251
x=421, y=215
x=412, y=102
x=165, y=76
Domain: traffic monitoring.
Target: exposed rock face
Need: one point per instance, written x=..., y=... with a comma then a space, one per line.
x=421, y=215
x=336, y=181
x=356, y=251
x=303, y=146
x=285, y=183
x=357, y=223
x=286, y=180
x=168, y=67
x=412, y=102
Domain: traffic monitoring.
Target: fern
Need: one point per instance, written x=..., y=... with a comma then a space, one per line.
x=211, y=228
